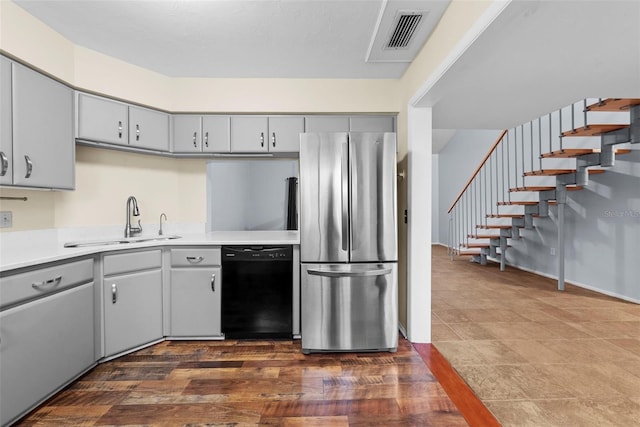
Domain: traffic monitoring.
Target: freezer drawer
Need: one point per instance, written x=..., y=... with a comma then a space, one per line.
x=349, y=307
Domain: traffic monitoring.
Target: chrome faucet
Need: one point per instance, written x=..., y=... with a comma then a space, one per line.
x=129, y=231
x=165, y=218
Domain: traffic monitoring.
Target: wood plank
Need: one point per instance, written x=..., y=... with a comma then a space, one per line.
x=475, y=245
x=483, y=236
x=594, y=130
x=533, y=188
x=554, y=172
x=505, y=215
x=519, y=203
x=473, y=410
x=575, y=152
x=495, y=226
x=614, y=104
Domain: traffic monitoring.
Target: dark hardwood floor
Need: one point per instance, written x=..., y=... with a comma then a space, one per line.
x=260, y=383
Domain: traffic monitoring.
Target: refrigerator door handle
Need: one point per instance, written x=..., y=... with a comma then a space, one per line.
x=345, y=196
x=333, y=273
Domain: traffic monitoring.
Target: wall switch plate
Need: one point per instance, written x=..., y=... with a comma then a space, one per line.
x=6, y=219
x=553, y=251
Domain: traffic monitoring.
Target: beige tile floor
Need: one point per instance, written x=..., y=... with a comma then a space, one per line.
x=533, y=355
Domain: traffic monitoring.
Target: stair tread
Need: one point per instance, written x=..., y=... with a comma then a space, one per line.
x=505, y=215
x=593, y=130
x=614, y=104
x=483, y=236
x=468, y=252
x=495, y=226
x=519, y=203
x=476, y=245
x=554, y=172
x=575, y=152
x=532, y=188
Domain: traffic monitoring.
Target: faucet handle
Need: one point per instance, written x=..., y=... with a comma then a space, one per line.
x=139, y=227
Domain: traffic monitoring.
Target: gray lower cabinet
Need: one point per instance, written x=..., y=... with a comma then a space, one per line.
x=42, y=128
x=132, y=298
x=195, y=293
x=262, y=134
x=6, y=133
x=194, y=133
x=44, y=344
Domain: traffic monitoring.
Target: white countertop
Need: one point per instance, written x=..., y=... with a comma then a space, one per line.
x=21, y=249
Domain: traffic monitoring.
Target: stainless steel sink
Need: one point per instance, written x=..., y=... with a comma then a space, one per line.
x=119, y=241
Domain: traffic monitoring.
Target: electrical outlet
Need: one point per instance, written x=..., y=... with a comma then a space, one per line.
x=553, y=251
x=6, y=219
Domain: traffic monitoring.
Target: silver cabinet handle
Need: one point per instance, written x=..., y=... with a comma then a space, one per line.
x=206, y=139
x=273, y=139
x=137, y=132
x=366, y=273
x=261, y=139
x=195, y=134
x=213, y=282
x=114, y=293
x=119, y=128
x=4, y=164
x=50, y=284
x=195, y=259
x=29, y=166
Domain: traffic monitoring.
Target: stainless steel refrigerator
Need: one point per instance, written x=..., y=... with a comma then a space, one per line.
x=348, y=242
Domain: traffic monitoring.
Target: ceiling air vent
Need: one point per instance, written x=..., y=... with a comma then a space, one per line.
x=405, y=27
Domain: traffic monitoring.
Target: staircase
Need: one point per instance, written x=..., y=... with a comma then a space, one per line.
x=534, y=166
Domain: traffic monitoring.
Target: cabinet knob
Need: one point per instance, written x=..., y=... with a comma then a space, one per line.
x=273, y=139
x=195, y=135
x=114, y=293
x=119, y=128
x=29, y=166
x=206, y=139
x=261, y=139
x=213, y=282
x=137, y=132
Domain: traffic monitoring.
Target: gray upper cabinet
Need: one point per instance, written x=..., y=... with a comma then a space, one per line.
x=106, y=121
x=6, y=133
x=327, y=123
x=249, y=134
x=284, y=133
x=102, y=120
x=261, y=134
x=200, y=134
x=372, y=124
x=43, y=146
x=148, y=129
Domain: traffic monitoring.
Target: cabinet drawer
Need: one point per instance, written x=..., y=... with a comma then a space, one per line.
x=33, y=284
x=196, y=257
x=131, y=261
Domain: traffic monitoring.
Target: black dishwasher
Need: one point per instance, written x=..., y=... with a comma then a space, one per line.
x=257, y=292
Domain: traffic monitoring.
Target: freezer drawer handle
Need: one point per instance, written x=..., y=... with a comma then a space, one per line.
x=51, y=283
x=332, y=273
x=195, y=259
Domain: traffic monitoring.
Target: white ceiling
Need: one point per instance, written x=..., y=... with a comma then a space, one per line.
x=237, y=38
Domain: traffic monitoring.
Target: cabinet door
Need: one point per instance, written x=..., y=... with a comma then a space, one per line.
x=187, y=133
x=327, y=123
x=44, y=344
x=195, y=302
x=148, y=129
x=249, y=134
x=372, y=124
x=102, y=120
x=215, y=134
x=132, y=310
x=43, y=145
x=6, y=134
x=284, y=133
